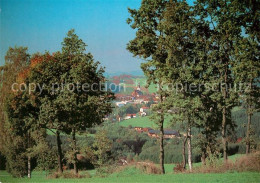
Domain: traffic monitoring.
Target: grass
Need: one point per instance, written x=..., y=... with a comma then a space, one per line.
x=138, y=121
x=131, y=175
x=50, y=132
x=142, y=122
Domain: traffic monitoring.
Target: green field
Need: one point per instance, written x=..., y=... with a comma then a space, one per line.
x=133, y=176
x=147, y=122
x=142, y=122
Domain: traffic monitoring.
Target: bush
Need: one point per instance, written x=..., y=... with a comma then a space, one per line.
x=148, y=168
x=245, y=163
x=68, y=175
x=105, y=171
x=248, y=163
x=178, y=168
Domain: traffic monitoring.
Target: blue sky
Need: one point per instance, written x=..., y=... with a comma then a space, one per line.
x=42, y=24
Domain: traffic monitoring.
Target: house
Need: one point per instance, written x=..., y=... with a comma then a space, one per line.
x=137, y=93
x=147, y=129
x=144, y=109
x=118, y=118
x=169, y=134
x=138, y=129
x=129, y=116
x=120, y=104
x=139, y=101
x=142, y=114
x=146, y=100
x=153, y=133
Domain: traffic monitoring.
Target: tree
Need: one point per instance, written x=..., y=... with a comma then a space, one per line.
x=221, y=18
x=45, y=72
x=148, y=45
x=11, y=145
x=82, y=108
x=71, y=92
x=22, y=111
x=185, y=68
x=247, y=68
x=102, y=145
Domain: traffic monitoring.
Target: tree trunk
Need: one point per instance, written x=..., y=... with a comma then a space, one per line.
x=249, y=118
x=223, y=133
x=189, y=149
x=183, y=153
x=224, y=118
x=59, y=152
x=75, y=152
x=161, y=133
x=203, y=158
x=162, y=145
x=29, y=167
x=248, y=133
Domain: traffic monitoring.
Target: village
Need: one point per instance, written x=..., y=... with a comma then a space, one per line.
x=146, y=101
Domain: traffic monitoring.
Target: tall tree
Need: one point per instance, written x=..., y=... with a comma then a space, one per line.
x=45, y=72
x=247, y=68
x=221, y=17
x=148, y=45
x=12, y=146
x=83, y=108
x=71, y=92
x=183, y=66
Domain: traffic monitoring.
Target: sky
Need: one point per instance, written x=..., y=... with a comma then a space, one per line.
x=41, y=26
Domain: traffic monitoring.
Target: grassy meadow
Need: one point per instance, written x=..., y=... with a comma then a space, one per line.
x=143, y=122
x=131, y=174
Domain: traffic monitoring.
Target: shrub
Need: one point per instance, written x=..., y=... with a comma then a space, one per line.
x=220, y=168
x=54, y=175
x=148, y=168
x=68, y=175
x=249, y=162
x=178, y=168
x=105, y=171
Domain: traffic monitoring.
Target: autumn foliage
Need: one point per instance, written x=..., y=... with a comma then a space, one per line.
x=34, y=62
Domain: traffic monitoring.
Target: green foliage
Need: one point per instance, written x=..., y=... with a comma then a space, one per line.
x=46, y=156
x=16, y=159
x=102, y=146
x=240, y=117
x=173, y=151
x=127, y=109
x=125, y=142
x=13, y=143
